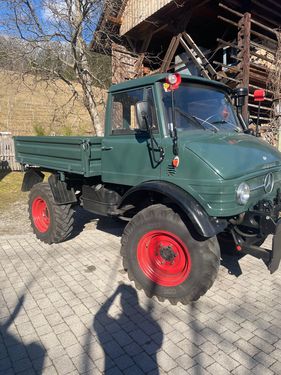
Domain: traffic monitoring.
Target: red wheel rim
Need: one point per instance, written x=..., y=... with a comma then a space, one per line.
x=40, y=214
x=164, y=258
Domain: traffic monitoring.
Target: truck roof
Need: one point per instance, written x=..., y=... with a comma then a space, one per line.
x=150, y=80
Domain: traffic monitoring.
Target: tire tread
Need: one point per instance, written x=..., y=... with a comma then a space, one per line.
x=210, y=256
x=63, y=216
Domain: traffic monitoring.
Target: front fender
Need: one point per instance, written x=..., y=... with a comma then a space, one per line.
x=205, y=225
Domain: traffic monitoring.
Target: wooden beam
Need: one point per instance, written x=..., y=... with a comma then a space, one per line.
x=269, y=109
x=252, y=20
x=220, y=74
x=244, y=38
x=170, y=53
x=261, y=5
x=225, y=43
x=261, y=36
x=258, y=66
x=232, y=69
x=227, y=20
x=262, y=57
x=269, y=20
x=275, y=3
x=261, y=118
x=260, y=46
x=266, y=99
x=258, y=87
x=160, y=29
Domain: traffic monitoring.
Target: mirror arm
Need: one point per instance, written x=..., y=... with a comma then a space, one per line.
x=153, y=142
x=242, y=121
x=174, y=132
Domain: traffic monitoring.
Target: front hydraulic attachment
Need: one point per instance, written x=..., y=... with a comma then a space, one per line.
x=272, y=257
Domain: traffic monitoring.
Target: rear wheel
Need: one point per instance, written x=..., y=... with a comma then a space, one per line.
x=50, y=222
x=164, y=260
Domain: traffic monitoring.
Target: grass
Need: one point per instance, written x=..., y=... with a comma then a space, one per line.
x=10, y=189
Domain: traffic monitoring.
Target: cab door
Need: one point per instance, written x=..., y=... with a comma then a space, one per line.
x=127, y=157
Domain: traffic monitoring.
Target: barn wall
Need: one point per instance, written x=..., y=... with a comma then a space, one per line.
x=138, y=10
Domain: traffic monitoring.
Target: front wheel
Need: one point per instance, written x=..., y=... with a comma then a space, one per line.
x=50, y=222
x=163, y=258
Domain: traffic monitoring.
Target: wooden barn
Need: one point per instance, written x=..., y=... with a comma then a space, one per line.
x=236, y=42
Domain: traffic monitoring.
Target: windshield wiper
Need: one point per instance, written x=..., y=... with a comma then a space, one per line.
x=236, y=128
x=206, y=122
x=190, y=117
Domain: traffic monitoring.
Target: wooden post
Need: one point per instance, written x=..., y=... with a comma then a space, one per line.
x=244, y=40
x=170, y=53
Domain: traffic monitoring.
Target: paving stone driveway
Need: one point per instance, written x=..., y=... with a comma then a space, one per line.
x=70, y=309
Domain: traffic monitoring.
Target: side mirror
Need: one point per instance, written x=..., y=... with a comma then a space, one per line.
x=144, y=115
x=239, y=96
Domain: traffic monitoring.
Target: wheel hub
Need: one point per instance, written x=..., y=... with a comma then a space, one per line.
x=40, y=214
x=167, y=253
x=164, y=258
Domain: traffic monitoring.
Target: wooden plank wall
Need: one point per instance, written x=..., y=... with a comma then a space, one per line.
x=7, y=154
x=137, y=11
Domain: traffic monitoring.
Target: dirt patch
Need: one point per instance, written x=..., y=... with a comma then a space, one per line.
x=10, y=189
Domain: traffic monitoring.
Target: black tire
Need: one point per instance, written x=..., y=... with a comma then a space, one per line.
x=201, y=262
x=56, y=224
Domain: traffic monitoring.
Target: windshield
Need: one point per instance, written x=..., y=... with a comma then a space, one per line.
x=200, y=107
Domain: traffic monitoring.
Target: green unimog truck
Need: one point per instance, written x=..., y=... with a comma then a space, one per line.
x=179, y=163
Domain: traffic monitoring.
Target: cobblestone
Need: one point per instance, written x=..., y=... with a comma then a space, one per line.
x=70, y=309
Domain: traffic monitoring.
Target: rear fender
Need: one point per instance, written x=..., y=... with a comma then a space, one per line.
x=31, y=177
x=61, y=192
x=204, y=225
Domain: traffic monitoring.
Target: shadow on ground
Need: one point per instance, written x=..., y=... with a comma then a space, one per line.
x=18, y=356
x=230, y=257
x=124, y=338
x=106, y=224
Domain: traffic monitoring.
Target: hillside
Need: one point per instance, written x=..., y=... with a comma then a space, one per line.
x=41, y=108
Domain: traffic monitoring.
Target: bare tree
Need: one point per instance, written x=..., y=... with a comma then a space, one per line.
x=51, y=41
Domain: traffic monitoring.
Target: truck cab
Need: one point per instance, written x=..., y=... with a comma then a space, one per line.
x=177, y=162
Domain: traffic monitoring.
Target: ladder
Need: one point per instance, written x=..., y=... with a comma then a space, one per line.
x=193, y=51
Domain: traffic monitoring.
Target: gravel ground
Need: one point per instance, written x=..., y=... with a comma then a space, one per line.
x=14, y=220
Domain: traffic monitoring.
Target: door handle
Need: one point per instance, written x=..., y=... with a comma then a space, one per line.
x=104, y=148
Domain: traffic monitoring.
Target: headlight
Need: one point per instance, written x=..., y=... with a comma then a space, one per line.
x=243, y=193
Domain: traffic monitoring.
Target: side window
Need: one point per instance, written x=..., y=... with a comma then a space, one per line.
x=123, y=116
